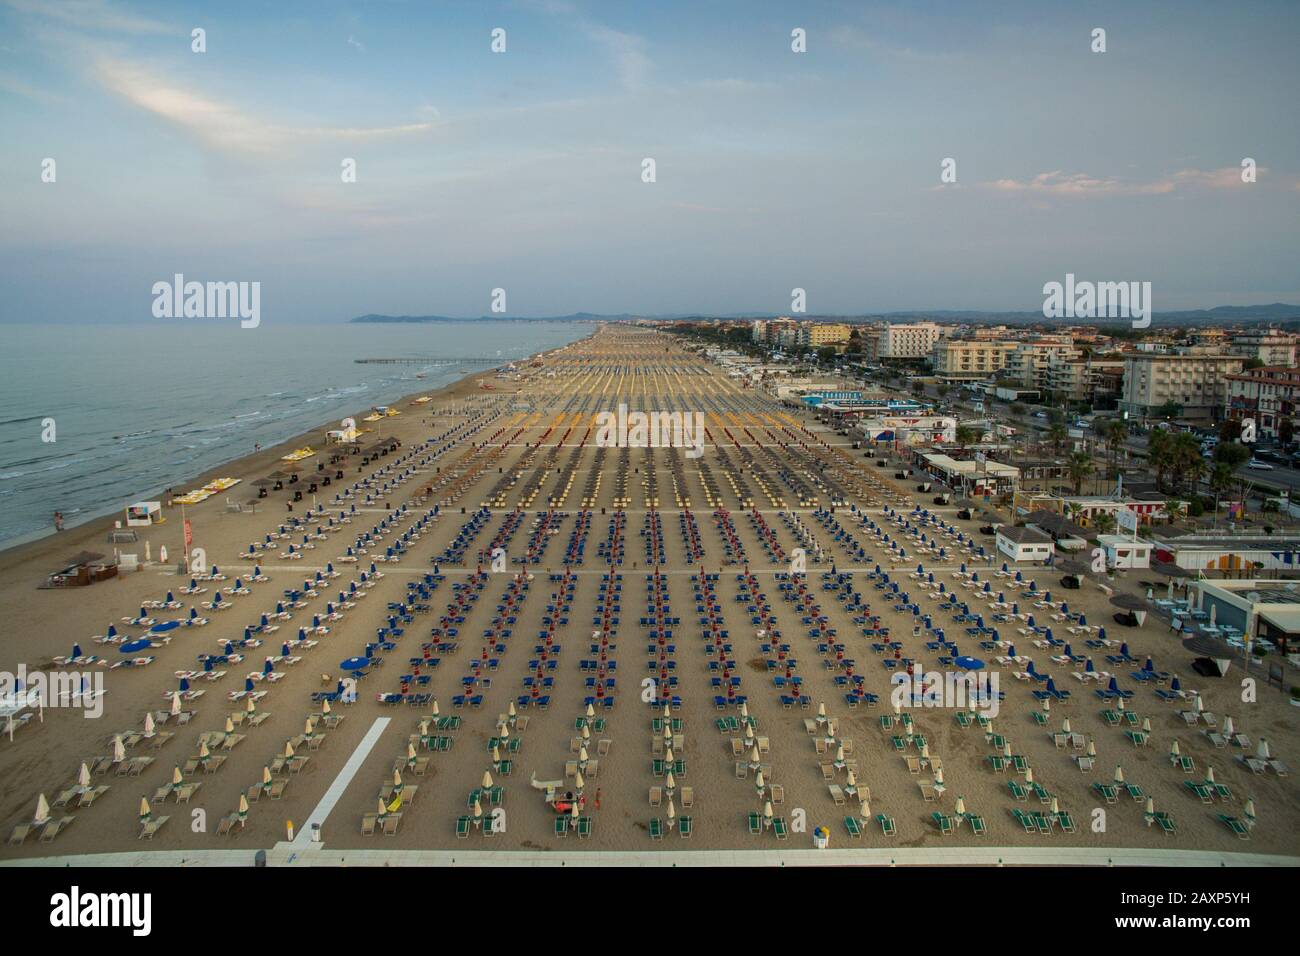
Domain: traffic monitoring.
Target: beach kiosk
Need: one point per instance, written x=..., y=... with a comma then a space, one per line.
x=142, y=514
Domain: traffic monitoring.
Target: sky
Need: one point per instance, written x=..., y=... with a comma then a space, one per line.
x=523, y=170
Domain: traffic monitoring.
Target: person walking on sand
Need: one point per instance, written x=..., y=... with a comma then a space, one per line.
x=58, y=521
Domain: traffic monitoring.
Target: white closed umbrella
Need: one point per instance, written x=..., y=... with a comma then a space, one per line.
x=487, y=780
x=1119, y=774
x=1065, y=726
x=1263, y=751
x=1229, y=728
x=1029, y=775
x=148, y=724
x=1174, y=749
x=177, y=779
x=578, y=782
x=83, y=776
x=961, y=806
x=176, y=702
x=1209, y=775
x=42, y=811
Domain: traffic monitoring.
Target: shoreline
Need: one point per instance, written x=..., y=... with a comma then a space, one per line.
x=89, y=535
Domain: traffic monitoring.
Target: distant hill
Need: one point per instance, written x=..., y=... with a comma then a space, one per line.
x=1277, y=312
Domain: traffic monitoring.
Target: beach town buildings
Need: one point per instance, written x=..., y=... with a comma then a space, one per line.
x=814, y=335
x=1084, y=379
x=909, y=341
x=1194, y=379
x=1268, y=346
x=1269, y=395
x=970, y=360
x=1028, y=362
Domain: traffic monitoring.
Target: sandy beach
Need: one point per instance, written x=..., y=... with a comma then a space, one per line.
x=762, y=488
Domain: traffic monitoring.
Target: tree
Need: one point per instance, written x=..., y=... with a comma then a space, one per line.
x=1158, y=452
x=1230, y=430
x=1079, y=467
x=1057, y=435
x=1104, y=522
x=1115, y=433
x=1169, y=410
x=826, y=354
x=967, y=435
x=1185, y=462
x=1285, y=431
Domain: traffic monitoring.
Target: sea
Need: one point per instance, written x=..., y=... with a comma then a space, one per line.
x=136, y=409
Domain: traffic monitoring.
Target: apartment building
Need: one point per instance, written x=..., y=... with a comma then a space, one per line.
x=816, y=334
x=969, y=360
x=912, y=341
x=1027, y=363
x=1195, y=379
x=1078, y=379
x=1268, y=345
x=1269, y=395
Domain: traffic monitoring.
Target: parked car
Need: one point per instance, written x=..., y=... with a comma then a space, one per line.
x=1258, y=465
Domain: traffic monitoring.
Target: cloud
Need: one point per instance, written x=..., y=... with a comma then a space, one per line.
x=627, y=52
x=354, y=42
x=1057, y=183
x=92, y=15
x=222, y=126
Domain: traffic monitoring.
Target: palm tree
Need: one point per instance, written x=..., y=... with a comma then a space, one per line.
x=1115, y=433
x=1104, y=522
x=1057, y=434
x=967, y=435
x=1079, y=467
x=1159, y=447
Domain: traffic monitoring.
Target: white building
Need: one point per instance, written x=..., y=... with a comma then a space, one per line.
x=912, y=341
x=1125, y=551
x=1024, y=544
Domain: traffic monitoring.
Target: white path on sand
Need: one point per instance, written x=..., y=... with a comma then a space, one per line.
x=302, y=838
x=315, y=854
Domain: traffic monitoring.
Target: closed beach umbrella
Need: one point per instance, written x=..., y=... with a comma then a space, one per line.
x=1146, y=725
x=1029, y=775
x=177, y=779
x=148, y=724
x=1263, y=752
x=119, y=749
x=1065, y=726
x=288, y=749
x=230, y=726
x=578, y=782
x=383, y=809
x=1249, y=811
x=1174, y=749
x=670, y=782
x=397, y=778
x=1209, y=775
x=487, y=780
x=767, y=811
x=145, y=813
x=672, y=811
x=42, y=811
x=266, y=776
x=1229, y=728
x=243, y=808
x=83, y=776
x=1151, y=806
x=176, y=703
x=1092, y=747
x=1056, y=806
x=961, y=806
x=1119, y=774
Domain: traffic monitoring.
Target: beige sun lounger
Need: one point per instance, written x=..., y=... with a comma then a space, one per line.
x=151, y=827
x=54, y=828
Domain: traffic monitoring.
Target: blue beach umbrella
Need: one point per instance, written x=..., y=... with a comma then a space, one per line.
x=354, y=663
